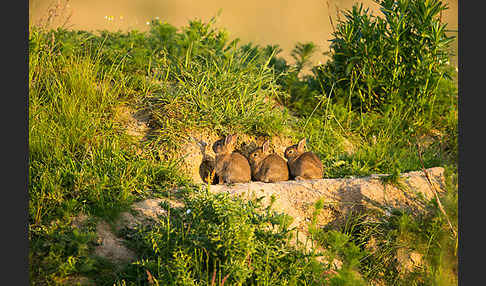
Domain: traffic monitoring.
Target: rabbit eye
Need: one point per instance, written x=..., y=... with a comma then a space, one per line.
x=254, y=155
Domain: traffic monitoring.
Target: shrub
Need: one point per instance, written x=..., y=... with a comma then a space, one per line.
x=400, y=57
x=216, y=239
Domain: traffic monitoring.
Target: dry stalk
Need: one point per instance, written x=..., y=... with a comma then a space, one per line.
x=434, y=189
x=330, y=17
x=57, y=10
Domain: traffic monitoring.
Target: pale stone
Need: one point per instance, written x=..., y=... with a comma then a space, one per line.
x=339, y=196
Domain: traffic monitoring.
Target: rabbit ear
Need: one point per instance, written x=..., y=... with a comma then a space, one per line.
x=301, y=145
x=202, y=145
x=230, y=139
x=265, y=146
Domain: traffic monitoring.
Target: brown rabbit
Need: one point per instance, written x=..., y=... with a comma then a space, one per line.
x=303, y=165
x=206, y=169
x=267, y=167
x=230, y=167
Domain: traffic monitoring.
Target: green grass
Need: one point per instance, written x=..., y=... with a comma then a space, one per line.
x=79, y=161
x=74, y=143
x=82, y=161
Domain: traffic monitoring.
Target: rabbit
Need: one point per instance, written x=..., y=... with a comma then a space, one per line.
x=230, y=167
x=303, y=165
x=267, y=167
x=206, y=169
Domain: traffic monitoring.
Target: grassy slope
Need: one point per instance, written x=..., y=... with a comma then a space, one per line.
x=82, y=161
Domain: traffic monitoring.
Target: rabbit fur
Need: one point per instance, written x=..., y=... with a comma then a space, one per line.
x=267, y=167
x=230, y=167
x=303, y=165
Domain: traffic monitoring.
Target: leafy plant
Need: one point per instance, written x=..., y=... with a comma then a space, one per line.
x=401, y=56
x=216, y=239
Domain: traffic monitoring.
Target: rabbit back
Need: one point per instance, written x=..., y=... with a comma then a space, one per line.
x=232, y=168
x=306, y=166
x=207, y=171
x=271, y=169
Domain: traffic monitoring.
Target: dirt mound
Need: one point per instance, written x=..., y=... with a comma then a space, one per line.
x=340, y=196
x=297, y=199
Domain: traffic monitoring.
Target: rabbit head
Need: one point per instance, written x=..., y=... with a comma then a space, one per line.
x=303, y=165
x=259, y=153
x=294, y=151
x=225, y=145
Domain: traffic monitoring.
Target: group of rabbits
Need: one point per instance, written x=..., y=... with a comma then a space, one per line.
x=262, y=165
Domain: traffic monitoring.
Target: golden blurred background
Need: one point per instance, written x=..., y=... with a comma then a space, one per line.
x=263, y=22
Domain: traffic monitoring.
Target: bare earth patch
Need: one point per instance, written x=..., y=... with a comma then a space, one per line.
x=112, y=247
x=144, y=212
x=135, y=123
x=78, y=281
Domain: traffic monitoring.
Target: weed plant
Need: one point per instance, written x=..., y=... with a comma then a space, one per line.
x=371, y=243
x=219, y=240
x=399, y=57
x=366, y=110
